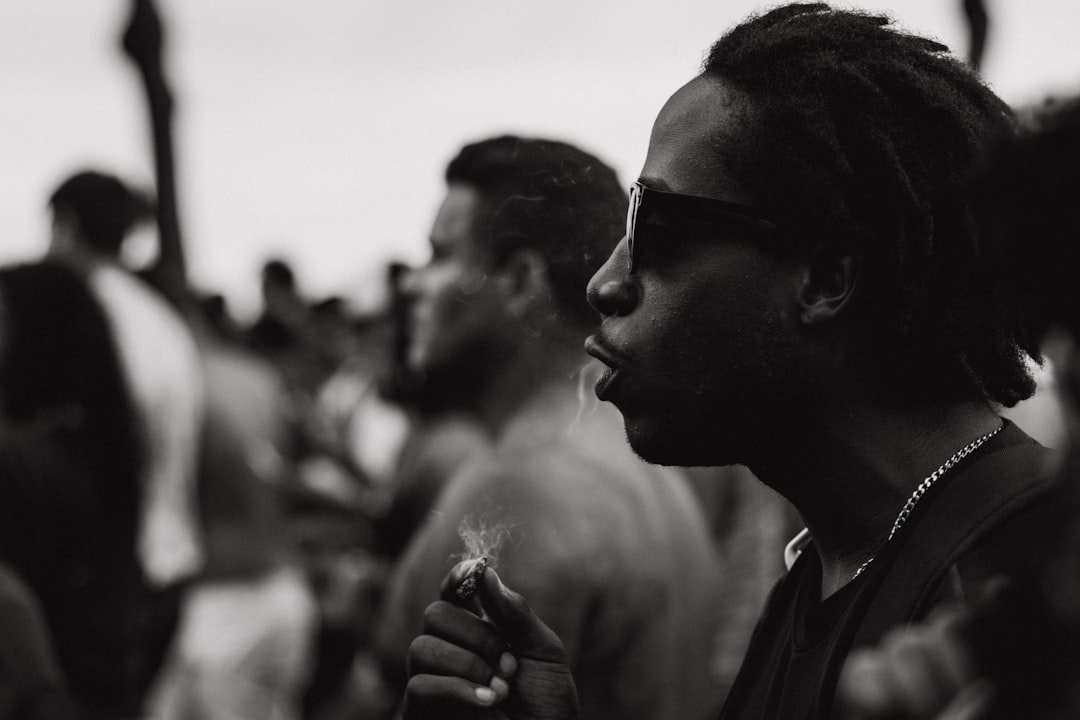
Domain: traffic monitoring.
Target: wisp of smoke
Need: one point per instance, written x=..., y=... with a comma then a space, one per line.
x=587, y=376
x=483, y=536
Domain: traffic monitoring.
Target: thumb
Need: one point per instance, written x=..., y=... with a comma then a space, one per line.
x=526, y=633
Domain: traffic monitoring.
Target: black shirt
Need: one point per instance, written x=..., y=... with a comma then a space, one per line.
x=799, y=646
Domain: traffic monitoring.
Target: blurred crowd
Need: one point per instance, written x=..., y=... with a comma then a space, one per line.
x=207, y=518
x=204, y=518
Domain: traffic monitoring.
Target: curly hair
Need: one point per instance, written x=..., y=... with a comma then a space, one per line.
x=551, y=197
x=865, y=135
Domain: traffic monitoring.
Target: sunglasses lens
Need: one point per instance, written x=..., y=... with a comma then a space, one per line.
x=631, y=221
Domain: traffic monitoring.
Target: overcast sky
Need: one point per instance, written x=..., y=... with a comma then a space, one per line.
x=319, y=130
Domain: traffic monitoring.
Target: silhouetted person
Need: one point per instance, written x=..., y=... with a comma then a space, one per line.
x=92, y=214
x=70, y=463
x=159, y=359
x=277, y=327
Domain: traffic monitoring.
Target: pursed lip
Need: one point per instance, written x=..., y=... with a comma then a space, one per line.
x=607, y=381
x=598, y=350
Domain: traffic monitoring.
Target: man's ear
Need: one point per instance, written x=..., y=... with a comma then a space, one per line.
x=827, y=282
x=526, y=279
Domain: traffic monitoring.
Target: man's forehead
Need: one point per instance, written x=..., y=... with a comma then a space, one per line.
x=693, y=138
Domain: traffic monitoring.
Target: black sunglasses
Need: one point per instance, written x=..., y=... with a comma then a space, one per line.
x=701, y=210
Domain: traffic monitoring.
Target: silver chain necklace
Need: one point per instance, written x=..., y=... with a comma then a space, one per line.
x=923, y=487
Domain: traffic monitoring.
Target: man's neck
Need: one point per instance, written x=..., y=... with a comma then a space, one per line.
x=849, y=480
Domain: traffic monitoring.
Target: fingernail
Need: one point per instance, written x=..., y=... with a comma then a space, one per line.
x=485, y=695
x=507, y=664
x=501, y=688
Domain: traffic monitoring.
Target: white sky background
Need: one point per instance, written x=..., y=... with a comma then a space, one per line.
x=319, y=130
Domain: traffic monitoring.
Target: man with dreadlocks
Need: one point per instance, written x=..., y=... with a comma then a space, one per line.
x=801, y=290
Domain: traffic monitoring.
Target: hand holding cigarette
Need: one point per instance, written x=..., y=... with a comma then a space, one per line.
x=485, y=653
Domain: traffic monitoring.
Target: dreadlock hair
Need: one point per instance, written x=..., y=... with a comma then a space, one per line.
x=550, y=197
x=1029, y=199
x=867, y=136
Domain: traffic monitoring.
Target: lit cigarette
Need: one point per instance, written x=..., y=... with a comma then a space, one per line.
x=467, y=588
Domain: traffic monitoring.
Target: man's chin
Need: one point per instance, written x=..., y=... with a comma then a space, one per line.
x=669, y=446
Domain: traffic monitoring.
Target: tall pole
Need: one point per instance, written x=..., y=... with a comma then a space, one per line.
x=142, y=41
x=978, y=24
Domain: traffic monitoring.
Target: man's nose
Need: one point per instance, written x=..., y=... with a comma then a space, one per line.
x=612, y=290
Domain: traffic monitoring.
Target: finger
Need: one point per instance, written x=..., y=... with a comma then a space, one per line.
x=462, y=628
x=459, y=585
x=458, y=574
x=526, y=634
x=445, y=696
x=429, y=655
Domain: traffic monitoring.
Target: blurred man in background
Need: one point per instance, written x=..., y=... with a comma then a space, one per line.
x=70, y=461
x=614, y=553
x=92, y=215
